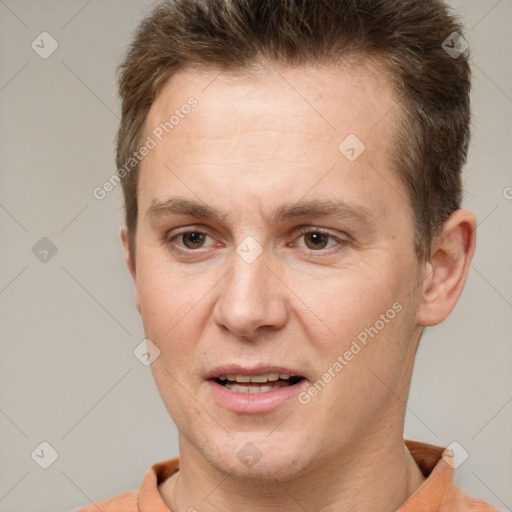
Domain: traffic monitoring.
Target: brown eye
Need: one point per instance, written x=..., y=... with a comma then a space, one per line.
x=316, y=240
x=193, y=239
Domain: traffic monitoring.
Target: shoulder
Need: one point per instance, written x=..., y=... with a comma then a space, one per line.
x=146, y=496
x=457, y=499
x=125, y=502
x=439, y=492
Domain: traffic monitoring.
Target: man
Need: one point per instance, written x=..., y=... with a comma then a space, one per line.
x=291, y=174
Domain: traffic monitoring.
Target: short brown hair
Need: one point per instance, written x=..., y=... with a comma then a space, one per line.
x=405, y=36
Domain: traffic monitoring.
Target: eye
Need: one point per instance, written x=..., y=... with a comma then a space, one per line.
x=194, y=238
x=188, y=240
x=317, y=240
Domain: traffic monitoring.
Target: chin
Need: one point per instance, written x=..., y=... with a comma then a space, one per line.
x=258, y=457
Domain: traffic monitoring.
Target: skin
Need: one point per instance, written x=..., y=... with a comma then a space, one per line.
x=255, y=142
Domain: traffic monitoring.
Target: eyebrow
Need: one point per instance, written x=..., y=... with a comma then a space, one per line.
x=303, y=209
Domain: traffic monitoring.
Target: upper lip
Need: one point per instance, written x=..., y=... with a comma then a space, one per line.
x=238, y=369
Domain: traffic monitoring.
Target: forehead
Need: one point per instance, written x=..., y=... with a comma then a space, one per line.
x=270, y=128
x=348, y=96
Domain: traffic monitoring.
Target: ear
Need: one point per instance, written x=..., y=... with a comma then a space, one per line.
x=448, y=267
x=130, y=264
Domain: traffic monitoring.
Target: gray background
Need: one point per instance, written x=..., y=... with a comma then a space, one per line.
x=68, y=375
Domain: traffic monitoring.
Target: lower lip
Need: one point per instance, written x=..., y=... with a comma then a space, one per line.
x=254, y=402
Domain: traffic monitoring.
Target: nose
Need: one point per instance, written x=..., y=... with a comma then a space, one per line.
x=252, y=299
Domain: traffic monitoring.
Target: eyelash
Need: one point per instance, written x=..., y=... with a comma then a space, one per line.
x=301, y=231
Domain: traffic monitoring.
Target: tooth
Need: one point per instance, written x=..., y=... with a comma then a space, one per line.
x=253, y=388
x=243, y=378
x=231, y=376
x=284, y=376
x=259, y=378
x=273, y=377
x=222, y=377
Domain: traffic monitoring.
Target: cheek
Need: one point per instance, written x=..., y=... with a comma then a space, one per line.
x=172, y=307
x=347, y=303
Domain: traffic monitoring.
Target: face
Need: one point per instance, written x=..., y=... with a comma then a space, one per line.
x=271, y=245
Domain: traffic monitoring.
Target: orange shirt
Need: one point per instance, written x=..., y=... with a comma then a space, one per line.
x=436, y=494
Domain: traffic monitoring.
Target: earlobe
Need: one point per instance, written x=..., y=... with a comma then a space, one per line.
x=130, y=264
x=447, y=269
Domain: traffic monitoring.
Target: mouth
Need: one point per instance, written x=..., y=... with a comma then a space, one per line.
x=245, y=389
x=263, y=383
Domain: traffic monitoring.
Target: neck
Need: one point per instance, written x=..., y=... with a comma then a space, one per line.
x=377, y=474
